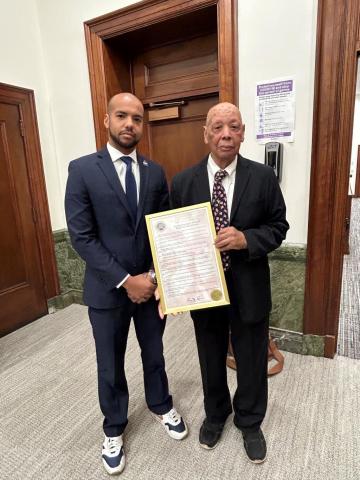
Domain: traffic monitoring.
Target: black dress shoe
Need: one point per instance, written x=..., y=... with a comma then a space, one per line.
x=210, y=434
x=255, y=446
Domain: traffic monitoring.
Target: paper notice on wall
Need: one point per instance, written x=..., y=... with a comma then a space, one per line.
x=275, y=110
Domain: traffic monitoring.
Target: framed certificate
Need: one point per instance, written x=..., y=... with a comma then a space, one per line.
x=187, y=264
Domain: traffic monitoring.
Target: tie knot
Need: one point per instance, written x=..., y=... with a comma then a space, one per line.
x=219, y=175
x=127, y=160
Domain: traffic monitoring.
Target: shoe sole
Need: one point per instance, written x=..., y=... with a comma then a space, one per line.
x=258, y=461
x=179, y=436
x=172, y=434
x=206, y=447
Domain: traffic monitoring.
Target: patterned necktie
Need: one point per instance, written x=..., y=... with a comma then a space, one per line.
x=220, y=210
x=130, y=186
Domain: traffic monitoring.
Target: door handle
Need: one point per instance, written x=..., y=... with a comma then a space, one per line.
x=167, y=104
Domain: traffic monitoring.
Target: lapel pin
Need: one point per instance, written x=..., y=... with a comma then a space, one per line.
x=145, y=163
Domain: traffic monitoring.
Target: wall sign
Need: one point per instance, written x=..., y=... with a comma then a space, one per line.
x=275, y=110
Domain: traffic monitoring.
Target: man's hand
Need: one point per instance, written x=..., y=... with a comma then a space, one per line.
x=139, y=288
x=157, y=297
x=160, y=311
x=229, y=238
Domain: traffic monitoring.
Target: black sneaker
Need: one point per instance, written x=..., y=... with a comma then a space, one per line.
x=210, y=434
x=255, y=446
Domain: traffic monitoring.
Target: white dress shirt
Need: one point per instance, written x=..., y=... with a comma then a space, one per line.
x=228, y=181
x=120, y=166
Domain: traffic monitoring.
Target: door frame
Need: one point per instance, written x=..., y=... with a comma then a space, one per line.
x=335, y=81
x=25, y=100
x=147, y=13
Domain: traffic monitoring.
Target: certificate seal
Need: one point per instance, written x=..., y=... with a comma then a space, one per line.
x=216, y=294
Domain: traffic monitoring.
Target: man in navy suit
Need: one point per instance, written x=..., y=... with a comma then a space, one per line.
x=108, y=194
x=249, y=213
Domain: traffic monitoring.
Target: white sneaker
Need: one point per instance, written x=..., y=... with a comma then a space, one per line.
x=113, y=456
x=173, y=424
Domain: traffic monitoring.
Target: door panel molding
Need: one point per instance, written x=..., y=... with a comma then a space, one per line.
x=335, y=79
x=14, y=212
x=159, y=73
x=146, y=13
x=24, y=99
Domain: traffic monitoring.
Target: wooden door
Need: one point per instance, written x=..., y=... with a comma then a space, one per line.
x=178, y=143
x=178, y=83
x=171, y=36
x=22, y=296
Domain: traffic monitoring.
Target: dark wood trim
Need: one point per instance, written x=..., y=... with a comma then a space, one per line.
x=26, y=101
x=94, y=44
x=335, y=81
x=357, y=176
x=228, y=51
x=147, y=13
x=329, y=346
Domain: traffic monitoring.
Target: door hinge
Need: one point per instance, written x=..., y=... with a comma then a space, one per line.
x=22, y=130
x=34, y=214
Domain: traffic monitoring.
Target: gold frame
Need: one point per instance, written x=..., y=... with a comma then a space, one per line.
x=184, y=308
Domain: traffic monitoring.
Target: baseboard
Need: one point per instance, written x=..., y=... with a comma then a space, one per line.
x=297, y=342
x=64, y=300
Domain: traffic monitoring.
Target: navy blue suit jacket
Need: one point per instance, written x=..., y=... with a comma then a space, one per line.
x=101, y=227
x=259, y=211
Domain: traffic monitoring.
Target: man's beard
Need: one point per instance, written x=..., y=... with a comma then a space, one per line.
x=129, y=144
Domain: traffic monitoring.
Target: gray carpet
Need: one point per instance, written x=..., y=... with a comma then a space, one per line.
x=50, y=424
x=349, y=317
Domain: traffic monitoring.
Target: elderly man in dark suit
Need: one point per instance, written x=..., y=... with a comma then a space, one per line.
x=108, y=194
x=249, y=214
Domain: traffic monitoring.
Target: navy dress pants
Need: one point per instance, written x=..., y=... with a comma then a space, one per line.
x=110, y=330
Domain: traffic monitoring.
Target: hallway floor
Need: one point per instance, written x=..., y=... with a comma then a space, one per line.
x=51, y=424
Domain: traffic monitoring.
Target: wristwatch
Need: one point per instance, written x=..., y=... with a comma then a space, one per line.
x=152, y=275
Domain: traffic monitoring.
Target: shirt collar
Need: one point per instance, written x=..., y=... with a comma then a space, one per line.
x=115, y=154
x=213, y=167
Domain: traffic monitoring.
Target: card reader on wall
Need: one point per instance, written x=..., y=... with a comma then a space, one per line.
x=273, y=157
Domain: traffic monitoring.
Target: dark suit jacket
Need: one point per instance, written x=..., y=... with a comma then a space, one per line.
x=258, y=210
x=101, y=227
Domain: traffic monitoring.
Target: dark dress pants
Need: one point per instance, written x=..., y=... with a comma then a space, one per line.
x=110, y=330
x=250, y=345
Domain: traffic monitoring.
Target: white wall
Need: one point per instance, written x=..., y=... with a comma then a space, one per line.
x=355, y=144
x=22, y=65
x=276, y=38
x=356, y=135
x=63, y=40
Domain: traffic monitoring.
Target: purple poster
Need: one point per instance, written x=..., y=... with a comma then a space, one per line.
x=275, y=110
